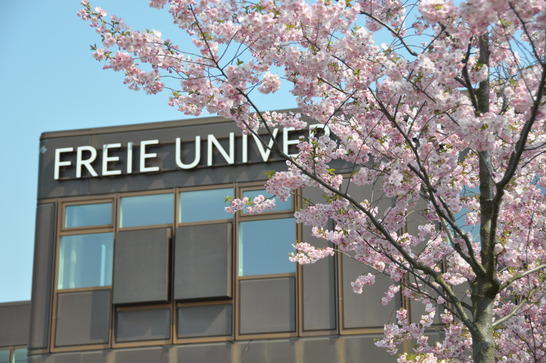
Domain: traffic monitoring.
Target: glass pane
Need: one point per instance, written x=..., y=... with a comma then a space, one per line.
x=204, y=205
x=204, y=321
x=88, y=215
x=470, y=229
x=86, y=261
x=146, y=210
x=20, y=356
x=264, y=246
x=279, y=205
x=4, y=356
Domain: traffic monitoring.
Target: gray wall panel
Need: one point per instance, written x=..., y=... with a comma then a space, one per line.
x=205, y=321
x=37, y=359
x=141, y=266
x=281, y=351
x=365, y=310
x=361, y=349
x=205, y=353
x=44, y=247
x=418, y=309
x=144, y=355
x=152, y=324
x=203, y=261
x=320, y=350
x=14, y=323
x=319, y=281
x=269, y=351
x=319, y=293
x=267, y=305
x=251, y=352
x=83, y=318
x=319, y=297
x=80, y=357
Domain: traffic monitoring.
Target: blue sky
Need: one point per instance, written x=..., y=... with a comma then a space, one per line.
x=49, y=81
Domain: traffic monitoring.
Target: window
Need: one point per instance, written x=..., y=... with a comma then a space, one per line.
x=88, y=215
x=146, y=210
x=210, y=320
x=85, y=260
x=472, y=230
x=20, y=356
x=280, y=206
x=204, y=205
x=264, y=246
x=266, y=279
x=214, y=261
x=203, y=267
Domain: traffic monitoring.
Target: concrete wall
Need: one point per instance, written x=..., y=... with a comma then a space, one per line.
x=349, y=349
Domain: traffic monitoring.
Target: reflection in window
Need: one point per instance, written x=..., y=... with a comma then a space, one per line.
x=20, y=356
x=146, y=210
x=472, y=230
x=279, y=205
x=204, y=205
x=264, y=246
x=460, y=218
x=85, y=261
x=86, y=215
x=4, y=356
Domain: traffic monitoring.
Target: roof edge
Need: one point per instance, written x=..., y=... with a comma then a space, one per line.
x=141, y=126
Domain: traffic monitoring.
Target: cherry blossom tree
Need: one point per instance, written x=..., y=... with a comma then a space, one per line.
x=437, y=104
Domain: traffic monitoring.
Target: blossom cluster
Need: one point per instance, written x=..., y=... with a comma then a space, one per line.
x=409, y=126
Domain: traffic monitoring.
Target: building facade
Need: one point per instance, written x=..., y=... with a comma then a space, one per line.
x=137, y=261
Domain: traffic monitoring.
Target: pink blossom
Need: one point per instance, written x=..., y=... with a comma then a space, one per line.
x=408, y=126
x=270, y=83
x=361, y=281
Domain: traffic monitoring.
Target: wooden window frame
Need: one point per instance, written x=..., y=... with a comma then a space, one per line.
x=238, y=190
x=208, y=339
x=141, y=342
x=241, y=217
x=66, y=204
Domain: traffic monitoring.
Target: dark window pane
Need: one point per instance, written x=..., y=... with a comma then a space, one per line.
x=279, y=205
x=4, y=356
x=264, y=246
x=204, y=321
x=133, y=325
x=204, y=205
x=146, y=210
x=88, y=215
x=85, y=261
x=20, y=356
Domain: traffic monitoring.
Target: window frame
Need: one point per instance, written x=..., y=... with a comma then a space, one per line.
x=238, y=190
x=66, y=204
x=207, y=339
x=11, y=351
x=178, y=216
x=242, y=217
x=62, y=232
x=203, y=302
x=120, y=196
x=58, y=262
x=270, y=212
x=142, y=342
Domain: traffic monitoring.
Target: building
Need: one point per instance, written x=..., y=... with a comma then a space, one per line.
x=136, y=260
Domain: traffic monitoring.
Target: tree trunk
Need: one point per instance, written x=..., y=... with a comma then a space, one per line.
x=483, y=345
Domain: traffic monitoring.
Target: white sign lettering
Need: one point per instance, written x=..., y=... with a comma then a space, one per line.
x=114, y=155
